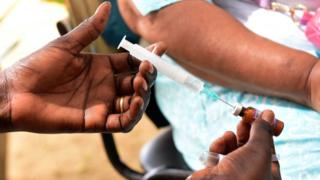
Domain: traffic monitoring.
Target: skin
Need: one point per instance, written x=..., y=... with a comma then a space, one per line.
x=61, y=89
x=213, y=45
x=247, y=154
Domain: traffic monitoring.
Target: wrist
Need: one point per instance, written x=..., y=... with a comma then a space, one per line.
x=5, y=107
x=313, y=87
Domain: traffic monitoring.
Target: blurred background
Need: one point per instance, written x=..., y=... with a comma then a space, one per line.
x=25, y=26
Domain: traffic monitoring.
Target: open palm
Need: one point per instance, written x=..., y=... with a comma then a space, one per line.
x=60, y=89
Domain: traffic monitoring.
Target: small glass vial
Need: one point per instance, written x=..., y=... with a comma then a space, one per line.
x=250, y=114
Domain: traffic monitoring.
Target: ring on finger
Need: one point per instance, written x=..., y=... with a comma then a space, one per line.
x=121, y=105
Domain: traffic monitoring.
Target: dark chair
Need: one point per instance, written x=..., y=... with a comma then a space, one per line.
x=159, y=158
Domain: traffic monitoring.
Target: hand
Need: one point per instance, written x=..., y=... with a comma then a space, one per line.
x=60, y=89
x=250, y=161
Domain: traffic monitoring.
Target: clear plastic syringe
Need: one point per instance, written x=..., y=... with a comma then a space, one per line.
x=194, y=84
x=179, y=75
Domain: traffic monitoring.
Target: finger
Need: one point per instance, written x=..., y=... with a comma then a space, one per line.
x=260, y=139
x=140, y=89
x=124, y=84
x=144, y=79
x=148, y=72
x=158, y=48
x=225, y=144
x=123, y=63
x=87, y=31
x=122, y=104
x=275, y=166
x=126, y=121
x=140, y=86
x=243, y=132
x=94, y=117
x=231, y=141
x=219, y=146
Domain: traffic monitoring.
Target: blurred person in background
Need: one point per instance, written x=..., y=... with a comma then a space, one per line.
x=247, y=53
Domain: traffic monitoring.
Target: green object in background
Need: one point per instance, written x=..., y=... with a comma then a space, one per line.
x=58, y=1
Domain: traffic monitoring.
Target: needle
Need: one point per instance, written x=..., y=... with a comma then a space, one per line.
x=225, y=102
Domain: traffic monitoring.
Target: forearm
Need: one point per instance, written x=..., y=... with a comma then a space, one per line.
x=216, y=47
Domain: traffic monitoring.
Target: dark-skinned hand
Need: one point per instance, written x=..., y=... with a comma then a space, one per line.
x=247, y=155
x=61, y=89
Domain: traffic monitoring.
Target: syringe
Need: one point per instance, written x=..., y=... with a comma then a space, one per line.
x=179, y=75
x=188, y=80
x=162, y=66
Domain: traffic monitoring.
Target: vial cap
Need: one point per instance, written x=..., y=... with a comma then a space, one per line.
x=237, y=110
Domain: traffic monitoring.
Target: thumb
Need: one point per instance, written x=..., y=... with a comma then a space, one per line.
x=261, y=135
x=89, y=30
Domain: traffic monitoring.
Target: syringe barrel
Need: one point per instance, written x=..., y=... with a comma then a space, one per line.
x=161, y=65
x=169, y=70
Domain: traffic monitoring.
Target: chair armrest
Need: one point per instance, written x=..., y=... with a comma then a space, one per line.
x=113, y=155
x=64, y=26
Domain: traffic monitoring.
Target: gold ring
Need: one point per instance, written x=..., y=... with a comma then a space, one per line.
x=121, y=105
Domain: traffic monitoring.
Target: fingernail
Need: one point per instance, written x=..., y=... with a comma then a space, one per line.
x=189, y=177
x=151, y=70
x=145, y=86
x=101, y=5
x=275, y=122
x=268, y=118
x=142, y=107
